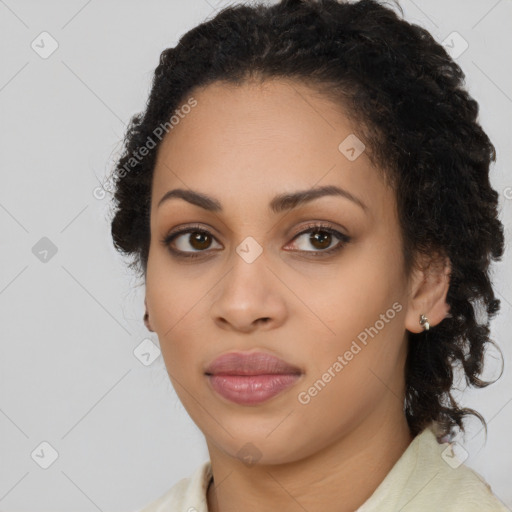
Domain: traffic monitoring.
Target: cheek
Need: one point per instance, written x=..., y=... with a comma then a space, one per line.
x=349, y=375
x=362, y=305
x=174, y=302
x=353, y=295
x=172, y=294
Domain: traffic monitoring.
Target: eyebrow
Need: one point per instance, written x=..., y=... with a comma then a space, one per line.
x=279, y=203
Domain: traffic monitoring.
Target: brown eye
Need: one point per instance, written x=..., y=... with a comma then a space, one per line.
x=189, y=242
x=320, y=239
x=199, y=240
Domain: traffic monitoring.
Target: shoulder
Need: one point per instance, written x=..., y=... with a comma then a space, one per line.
x=187, y=495
x=429, y=477
x=461, y=488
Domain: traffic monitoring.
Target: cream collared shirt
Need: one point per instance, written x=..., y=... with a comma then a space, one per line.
x=426, y=478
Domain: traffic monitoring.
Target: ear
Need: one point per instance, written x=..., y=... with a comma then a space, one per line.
x=146, y=317
x=428, y=288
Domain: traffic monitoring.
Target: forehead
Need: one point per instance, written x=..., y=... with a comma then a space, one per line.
x=261, y=138
x=265, y=115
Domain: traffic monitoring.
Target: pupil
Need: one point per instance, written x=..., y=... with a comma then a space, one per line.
x=197, y=238
x=319, y=238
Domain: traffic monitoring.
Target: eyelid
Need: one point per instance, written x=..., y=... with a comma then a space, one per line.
x=318, y=224
x=185, y=229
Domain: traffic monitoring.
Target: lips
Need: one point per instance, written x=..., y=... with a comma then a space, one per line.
x=254, y=363
x=250, y=379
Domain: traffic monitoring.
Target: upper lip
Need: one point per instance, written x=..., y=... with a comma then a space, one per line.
x=253, y=363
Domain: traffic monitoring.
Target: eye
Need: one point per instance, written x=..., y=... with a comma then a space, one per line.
x=194, y=236
x=321, y=238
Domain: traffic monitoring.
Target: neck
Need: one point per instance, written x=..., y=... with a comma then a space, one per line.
x=338, y=478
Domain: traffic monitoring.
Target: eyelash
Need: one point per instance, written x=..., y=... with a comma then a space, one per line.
x=344, y=239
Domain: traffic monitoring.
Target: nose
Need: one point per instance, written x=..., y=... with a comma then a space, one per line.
x=249, y=297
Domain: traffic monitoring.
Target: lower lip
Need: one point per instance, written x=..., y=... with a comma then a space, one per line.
x=251, y=389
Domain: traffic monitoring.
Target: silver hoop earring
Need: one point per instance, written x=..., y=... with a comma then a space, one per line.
x=424, y=322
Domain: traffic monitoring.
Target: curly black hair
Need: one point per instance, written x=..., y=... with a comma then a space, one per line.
x=420, y=128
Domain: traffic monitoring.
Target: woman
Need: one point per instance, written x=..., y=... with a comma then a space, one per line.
x=307, y=199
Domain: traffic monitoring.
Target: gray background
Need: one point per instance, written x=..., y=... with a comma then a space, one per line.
x=68, y=372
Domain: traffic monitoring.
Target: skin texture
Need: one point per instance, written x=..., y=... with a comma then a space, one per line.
x=243, y=145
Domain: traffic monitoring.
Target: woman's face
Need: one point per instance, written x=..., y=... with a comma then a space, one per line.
x=262, y=281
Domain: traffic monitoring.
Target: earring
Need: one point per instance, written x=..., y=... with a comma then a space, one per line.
x=424, y=322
